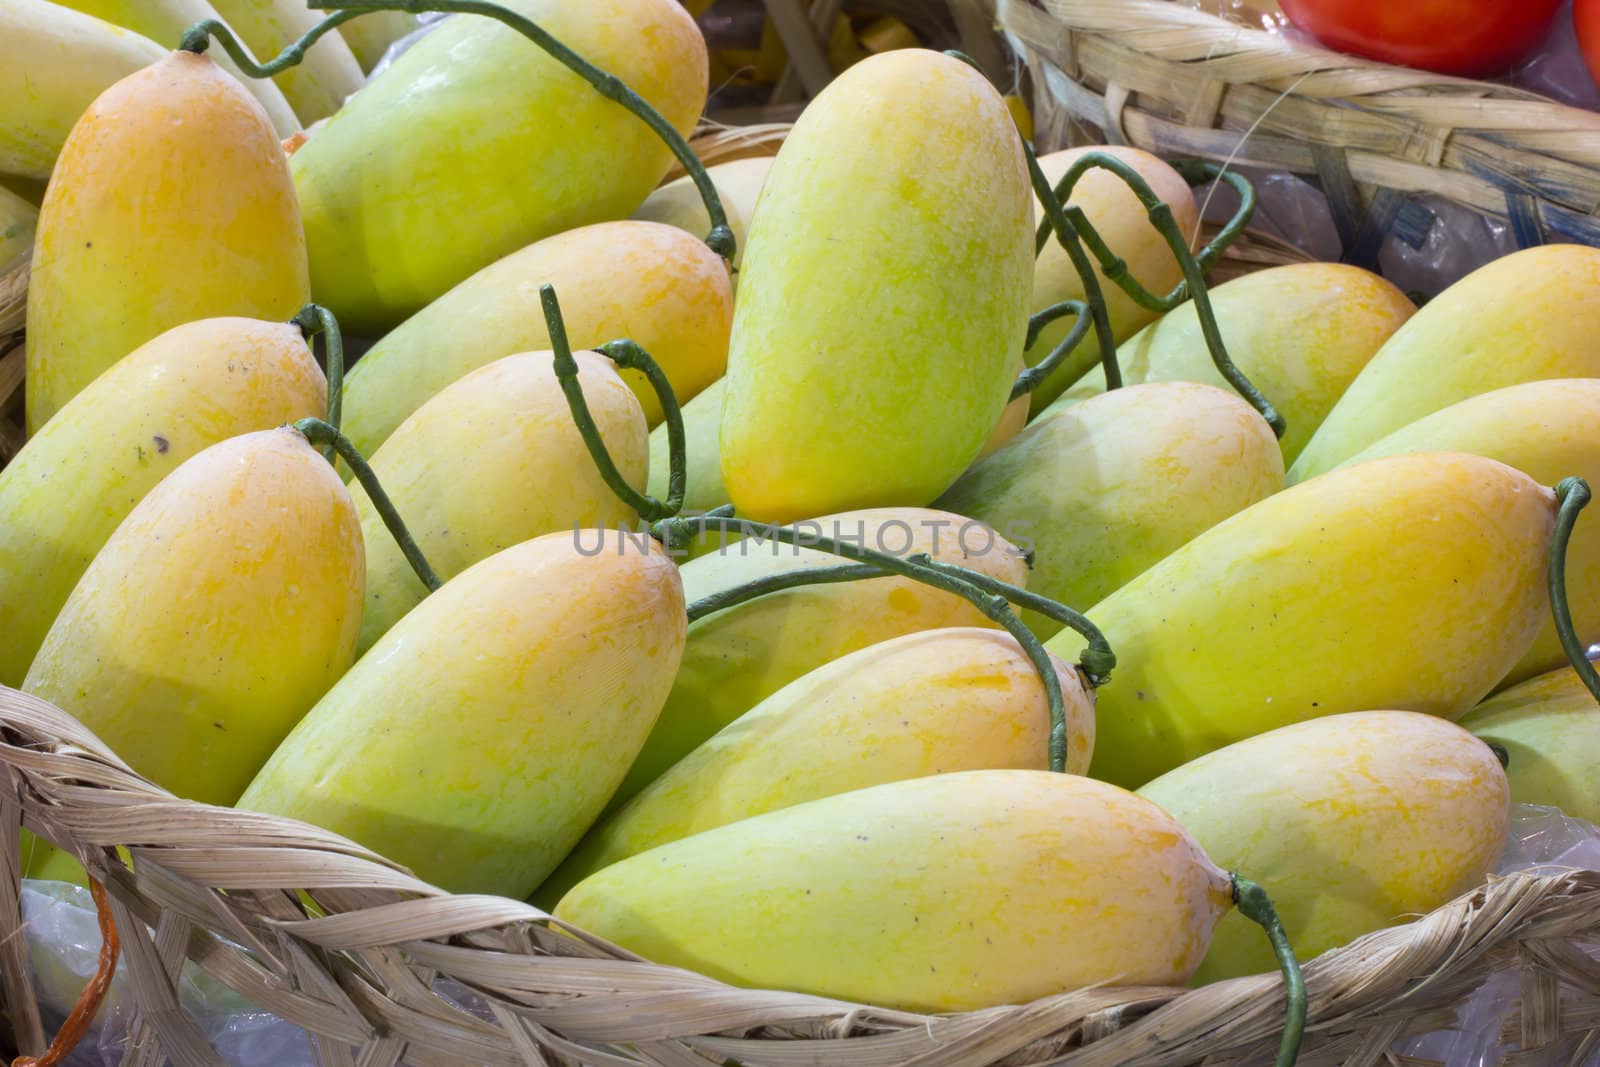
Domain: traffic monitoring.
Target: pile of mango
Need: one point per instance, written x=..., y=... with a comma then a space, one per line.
x=498, y=608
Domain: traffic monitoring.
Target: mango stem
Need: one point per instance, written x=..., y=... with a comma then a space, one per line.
x=1572, y=496
x=1254, y=904
x=1034, y=376
x=777, y=583
x=314, y=319
x=93, y=995
x=197, y=39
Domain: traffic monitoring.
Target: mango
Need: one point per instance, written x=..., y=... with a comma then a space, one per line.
x=370, y=36
x=479, y=738
x=1351, y=823
x=220, y=610
x=328, y=71
x=1531, y=315
x=834, y=401
x=1106, y=488
x=64, y=494
x=888, y=895
x=1012, y=420
x=1546, y=430
x=641, y=280
x=1411, y=582
x=1550, y=725
x=738, y=183
x=174, y=167
x=1300, y=333
x=501, y=146
x=702, y=458
x=492, y=461
x=738, y=657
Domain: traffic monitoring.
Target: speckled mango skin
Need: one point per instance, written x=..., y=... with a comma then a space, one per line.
x=1551, y=727
x=220, y=610
x=882, y=302
x=652, y=283
x=1300, y=333
x=1411, y=582
x=1111, y=486
x=494, y=460
x=1531, y=315
x=947, y=893
x=738, y=183
x=1351, y=823
x=502, y=146
x=76, y=479
x=170, y=202
x=954, y=699
x=479, y=738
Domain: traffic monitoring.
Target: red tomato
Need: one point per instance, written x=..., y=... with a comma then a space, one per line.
x=1586, y=15
x=1474, y=38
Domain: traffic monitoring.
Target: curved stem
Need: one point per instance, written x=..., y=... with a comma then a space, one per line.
x=197, y=39
x=1198, y=171
x=314, y=319
x=93, y=995
x=777, y=583
x=632, y=356
x=1572, y=495
x=1255, y=905
x=1034, y=376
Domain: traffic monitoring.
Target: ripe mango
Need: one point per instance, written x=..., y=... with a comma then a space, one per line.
x=888, y=895
x=953, y=699
x=641, y=280
x=1300, y=333
x=80, y=476
x=1551, y=727
x=501, y=146
x=479, y=738
x=738, y=183
x=1531, y=315
x=170, y=202
x=1108, y=487
x=835, y=401
x=1322, y=599
x=220, y=610
x=1351, y=823
x=494, y=460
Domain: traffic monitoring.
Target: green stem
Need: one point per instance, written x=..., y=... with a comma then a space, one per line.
x=630, y=355
x=314, y=319
x=1199, y=171
x=1255, y=905
x=197, y=39
x=319, y=432
x=777, y=583
x=1572, y=495
x=1034, y=376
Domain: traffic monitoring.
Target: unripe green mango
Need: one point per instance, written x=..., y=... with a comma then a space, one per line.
x=170, y=202
x=1322, y=599
x=836, y=401
x=953, y=699
x=79, y=477
x=738, y=183
x=220, y=610
x=500, y=146
x=738, y=657
x=652, y=283
x=1351, y=823
x=947, y=893
x=481, y=736
x=1550, y=725
x=1300, y=333
x=1548, y=430
x=1531, y=315
x=494, y=460
x=1108, y=487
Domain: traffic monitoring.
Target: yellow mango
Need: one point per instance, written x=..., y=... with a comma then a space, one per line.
x=479, y=738
x=78, y=478
x=738, y=183
x=170, y=202
x=1531, y=315
x=1300, y=333
x=652, y=283
x=702, y=458
x=1351, y=823
x=501, y=146
x=882, y=302
x=888, y=895
x=1550, y=725
x=1410, y=582
x=492, y=461
x=220, y=610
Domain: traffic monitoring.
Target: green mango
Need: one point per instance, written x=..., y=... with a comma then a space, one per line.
x=1550, y=725
x=702, y=459
x=18, y=219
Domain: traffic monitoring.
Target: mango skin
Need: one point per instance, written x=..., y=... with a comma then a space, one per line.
x=834, y=401
x=220, y=610
x=955, y=699
x=78, y=478
x=1113, y=485
x=1301, y=333
x=143, y=183
x=738, y=183
x=1351, y=823
x=947, y=893
x=493, y=460
x=502, y=146
x=1315, y=601
x=480, y=736
x=1551, y=727
x=640, y=280
x=1531, y=315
